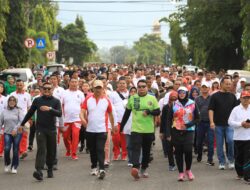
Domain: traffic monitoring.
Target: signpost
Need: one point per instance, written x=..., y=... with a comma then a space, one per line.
x=51, y=55
x=29, y=43
x=40, y=43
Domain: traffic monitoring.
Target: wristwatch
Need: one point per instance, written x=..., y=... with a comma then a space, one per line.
x=50, y=108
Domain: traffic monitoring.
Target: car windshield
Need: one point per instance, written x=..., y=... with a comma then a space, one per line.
x=55, y=68
x=20, y=75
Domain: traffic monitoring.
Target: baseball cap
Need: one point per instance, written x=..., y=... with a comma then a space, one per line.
x=9, y=76
x=98, y=83
x=205, y=84
x=244, y=94
x=243, y=80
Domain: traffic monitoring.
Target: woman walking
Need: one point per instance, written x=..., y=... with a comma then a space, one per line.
x=11, y=119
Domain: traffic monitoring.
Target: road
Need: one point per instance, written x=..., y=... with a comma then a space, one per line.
x=74, y=175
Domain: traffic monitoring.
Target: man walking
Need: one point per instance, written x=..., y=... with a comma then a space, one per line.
x=48, y=108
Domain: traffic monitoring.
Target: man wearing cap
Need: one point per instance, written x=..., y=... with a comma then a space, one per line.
x=10, y=85
x=203, y=129
x=241, y=125
x=96, y=110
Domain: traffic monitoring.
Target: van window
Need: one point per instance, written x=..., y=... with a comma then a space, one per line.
x=53, y=69
x=21, y=76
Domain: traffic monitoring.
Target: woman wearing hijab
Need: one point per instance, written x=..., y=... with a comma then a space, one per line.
x=181, y=119
x=194, y=93
x=11, y=119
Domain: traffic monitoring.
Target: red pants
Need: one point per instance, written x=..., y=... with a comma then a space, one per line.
x=119, y=141
x=24, y=143
x=1, y=145
x=71, y=137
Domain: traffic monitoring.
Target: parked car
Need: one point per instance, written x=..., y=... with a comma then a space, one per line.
x=55, y=67
x=25, y=74
x=242, y=73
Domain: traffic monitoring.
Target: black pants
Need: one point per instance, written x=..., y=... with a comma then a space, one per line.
x=170, y=153
x=141, y=141
x=96, y=143
x=46, y=149
x=242, y=158
x=180, y=151
x=32, y=133
x=82, y=136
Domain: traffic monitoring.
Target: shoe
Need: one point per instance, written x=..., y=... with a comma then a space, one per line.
x=30, y=148
x=38, y=175
x=171, y=168
x=190, y=175
x=23, y=155
x=81, y=148
x=210, y=163
x=231, y=165
x=181, y=177
x=1, y=155
x=94, y=171
x=14, y=171
x=106, y=164
x=67, y=154
x=144, y=173
x=50, y=173
x=247, y=181
x=135, y=173
x=130, y=165
x=7, y=168
x=87, y=151
x=199, y=158
x=221, y=167
x=74, y=157
x=102, y=174
x=239, y=177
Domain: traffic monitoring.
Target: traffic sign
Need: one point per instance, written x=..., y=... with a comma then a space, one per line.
x=51, y=55
x=40, y=43
x=29, y=43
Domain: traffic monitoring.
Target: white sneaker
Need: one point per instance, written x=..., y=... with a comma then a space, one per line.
x=94, y=171
x=7, y=168
x=222, y=167
x=231, y=165
x=14, y=171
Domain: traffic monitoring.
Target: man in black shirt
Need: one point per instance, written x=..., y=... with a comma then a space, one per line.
x=220, y=107
x=48, y=108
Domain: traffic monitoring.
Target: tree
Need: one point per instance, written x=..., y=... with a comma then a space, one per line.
x=245, y=15
x=151, y=49
x=4, y=10
x=214, y=31
x=178, y=52
x=15, y=52
x=75, y=43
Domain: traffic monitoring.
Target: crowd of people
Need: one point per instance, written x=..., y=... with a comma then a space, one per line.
x=93, y=107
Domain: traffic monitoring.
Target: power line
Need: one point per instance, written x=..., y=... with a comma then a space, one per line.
x=109, y=2
x=100, y=11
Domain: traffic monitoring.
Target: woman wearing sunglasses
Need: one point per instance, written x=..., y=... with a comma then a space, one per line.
x=181, y=119
x=11, y=119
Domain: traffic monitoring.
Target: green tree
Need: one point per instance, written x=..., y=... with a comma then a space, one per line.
x=178, y=52
x=15, y=52
x=245, y=15
x=151, y=49
x=214, y=31
x=75, y=43
x=4, y=10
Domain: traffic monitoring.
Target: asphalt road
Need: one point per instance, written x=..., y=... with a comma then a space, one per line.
x=75, y=175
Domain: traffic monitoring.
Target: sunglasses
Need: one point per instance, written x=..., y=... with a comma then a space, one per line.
x=46, y=88
x=182, y=92
x=142, y=86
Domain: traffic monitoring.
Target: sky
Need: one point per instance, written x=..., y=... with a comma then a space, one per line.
x=111, y=24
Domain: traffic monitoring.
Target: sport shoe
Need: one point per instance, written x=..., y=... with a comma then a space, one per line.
x=106, y=164
x=190, y=175
x=181, y=177
x=14, y=171
x=231, y=165
x=50, y=174
x=94, y=172
x=124, y=158
x=67, y=154
x=38, y=175
x=210, y=163
x=102, y=174
x=115, y=158
x=199, y=158
x=221, y=167
x=135, y=173
x=74, y=157
x=247, y=181
x=130, y=165
x=144, y=173
x=30, y=148
x=23, y=155
x=7, y=168
x=171, y=168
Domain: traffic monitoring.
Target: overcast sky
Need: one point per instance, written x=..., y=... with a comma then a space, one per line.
x=110, y=24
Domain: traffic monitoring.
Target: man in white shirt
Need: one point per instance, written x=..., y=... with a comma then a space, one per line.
x=138, y=76
x=24, y=102
x=96, y=110
x=241, y=124
x=72, y=100
x=119, y=99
